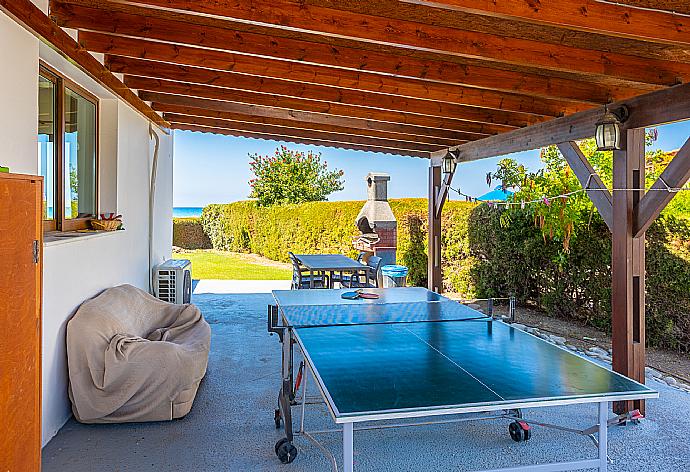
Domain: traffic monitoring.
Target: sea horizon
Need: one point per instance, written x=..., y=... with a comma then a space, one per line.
x=187, y=212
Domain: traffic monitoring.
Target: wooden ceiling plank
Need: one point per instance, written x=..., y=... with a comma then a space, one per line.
x=168, y=109
x=220, y=106
x=652, y=109
x=582, y=15
x=311, y=142
x=122, y=20
x=295, y=14
x=671, y=6
x=242, y=96
x=297, y=133
x=325, y=75
x=285, y=88
x=34, y=20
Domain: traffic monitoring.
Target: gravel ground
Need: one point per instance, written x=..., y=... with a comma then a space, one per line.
x=230, y=427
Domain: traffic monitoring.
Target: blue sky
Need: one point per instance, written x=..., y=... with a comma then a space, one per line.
x=212, y=168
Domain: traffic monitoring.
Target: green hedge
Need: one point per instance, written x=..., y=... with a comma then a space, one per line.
x=484, y=256
x=189, y=234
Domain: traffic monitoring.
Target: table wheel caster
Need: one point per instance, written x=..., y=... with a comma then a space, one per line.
x=285, y=451
x=276, y=418
x=519, y=431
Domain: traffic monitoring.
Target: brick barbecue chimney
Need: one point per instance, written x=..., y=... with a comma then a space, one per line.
x=381, y=218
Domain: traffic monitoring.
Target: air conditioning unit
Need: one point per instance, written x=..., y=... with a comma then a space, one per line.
x=172, y=281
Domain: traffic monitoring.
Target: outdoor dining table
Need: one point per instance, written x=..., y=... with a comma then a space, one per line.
x=330, y=263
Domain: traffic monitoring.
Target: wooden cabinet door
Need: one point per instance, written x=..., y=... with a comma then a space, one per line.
x=20, y=322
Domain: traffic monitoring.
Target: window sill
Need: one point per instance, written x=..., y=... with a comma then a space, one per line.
x=56, y=238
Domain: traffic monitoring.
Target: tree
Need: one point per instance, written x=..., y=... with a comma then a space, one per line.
x=292, y=177
x=560, y=218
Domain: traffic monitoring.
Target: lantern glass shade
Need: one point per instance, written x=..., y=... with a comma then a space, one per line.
x=449, y=164
x=608, y=133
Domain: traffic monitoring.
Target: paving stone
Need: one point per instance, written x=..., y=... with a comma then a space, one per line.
x=560, y=340
x=571, y=347
x=519, y=326
x=599, y=350
x=670, y=381
x=653, y=372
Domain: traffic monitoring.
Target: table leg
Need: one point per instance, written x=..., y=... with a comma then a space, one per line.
x=288, y=356
x=603, y=436
x=304, y=397
x=348, y=454
x=311, y=279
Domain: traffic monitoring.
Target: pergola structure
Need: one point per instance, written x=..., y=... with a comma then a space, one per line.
x=473, y=78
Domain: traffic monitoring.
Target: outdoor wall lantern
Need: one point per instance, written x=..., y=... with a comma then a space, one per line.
x=449, y=164
x=608, y=131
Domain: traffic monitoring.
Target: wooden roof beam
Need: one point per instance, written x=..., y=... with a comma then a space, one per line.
x=326, y=75
x=298, y=132
x=315, y=18
x=287, y=88
x=297, y=140
x=249, y=39
x=34, y=20
x=338, y=109
x=162, y=100
x=582, y=15
x=180, y=110
x=652, y=109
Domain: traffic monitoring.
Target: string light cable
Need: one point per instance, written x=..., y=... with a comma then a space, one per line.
x=548, y=199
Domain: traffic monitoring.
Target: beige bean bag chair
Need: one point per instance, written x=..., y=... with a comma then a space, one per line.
x=133, y=357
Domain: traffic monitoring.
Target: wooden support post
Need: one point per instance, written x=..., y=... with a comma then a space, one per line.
x=434, y=273
x=628, y=264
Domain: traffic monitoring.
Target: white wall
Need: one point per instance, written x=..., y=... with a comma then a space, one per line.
x=19, y=99
x=77, y=269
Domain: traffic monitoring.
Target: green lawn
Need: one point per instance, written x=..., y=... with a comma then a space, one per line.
x=221, y=265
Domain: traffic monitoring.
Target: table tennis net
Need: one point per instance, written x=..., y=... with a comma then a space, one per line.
x=373, y=313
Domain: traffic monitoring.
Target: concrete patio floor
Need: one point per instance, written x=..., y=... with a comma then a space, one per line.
x=230, y=427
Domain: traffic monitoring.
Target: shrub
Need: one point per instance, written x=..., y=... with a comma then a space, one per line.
x=486, y=253
x=189, y=234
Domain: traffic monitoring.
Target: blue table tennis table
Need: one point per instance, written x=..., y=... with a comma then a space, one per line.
x=413, y=354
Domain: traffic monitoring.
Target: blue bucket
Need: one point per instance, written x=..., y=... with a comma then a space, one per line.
x=394, y=270
x=394, y=276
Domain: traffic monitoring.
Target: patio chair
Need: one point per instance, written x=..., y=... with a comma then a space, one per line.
x=347, y=280
x=302, y=278
x=372, y=278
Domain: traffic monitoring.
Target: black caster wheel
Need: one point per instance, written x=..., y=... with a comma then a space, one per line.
x=519, y=431
x=285, y=451
x=276, y=418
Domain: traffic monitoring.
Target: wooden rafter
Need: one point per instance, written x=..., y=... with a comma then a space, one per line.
x=299, y=140
x=380, y=30
x=180, y=110
x=324, y=75
x=297, y=90
x=238, y=37
x=240, y=126
x=588, y=15
x=303, y=118
x=33, y=19
x=242, y=96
